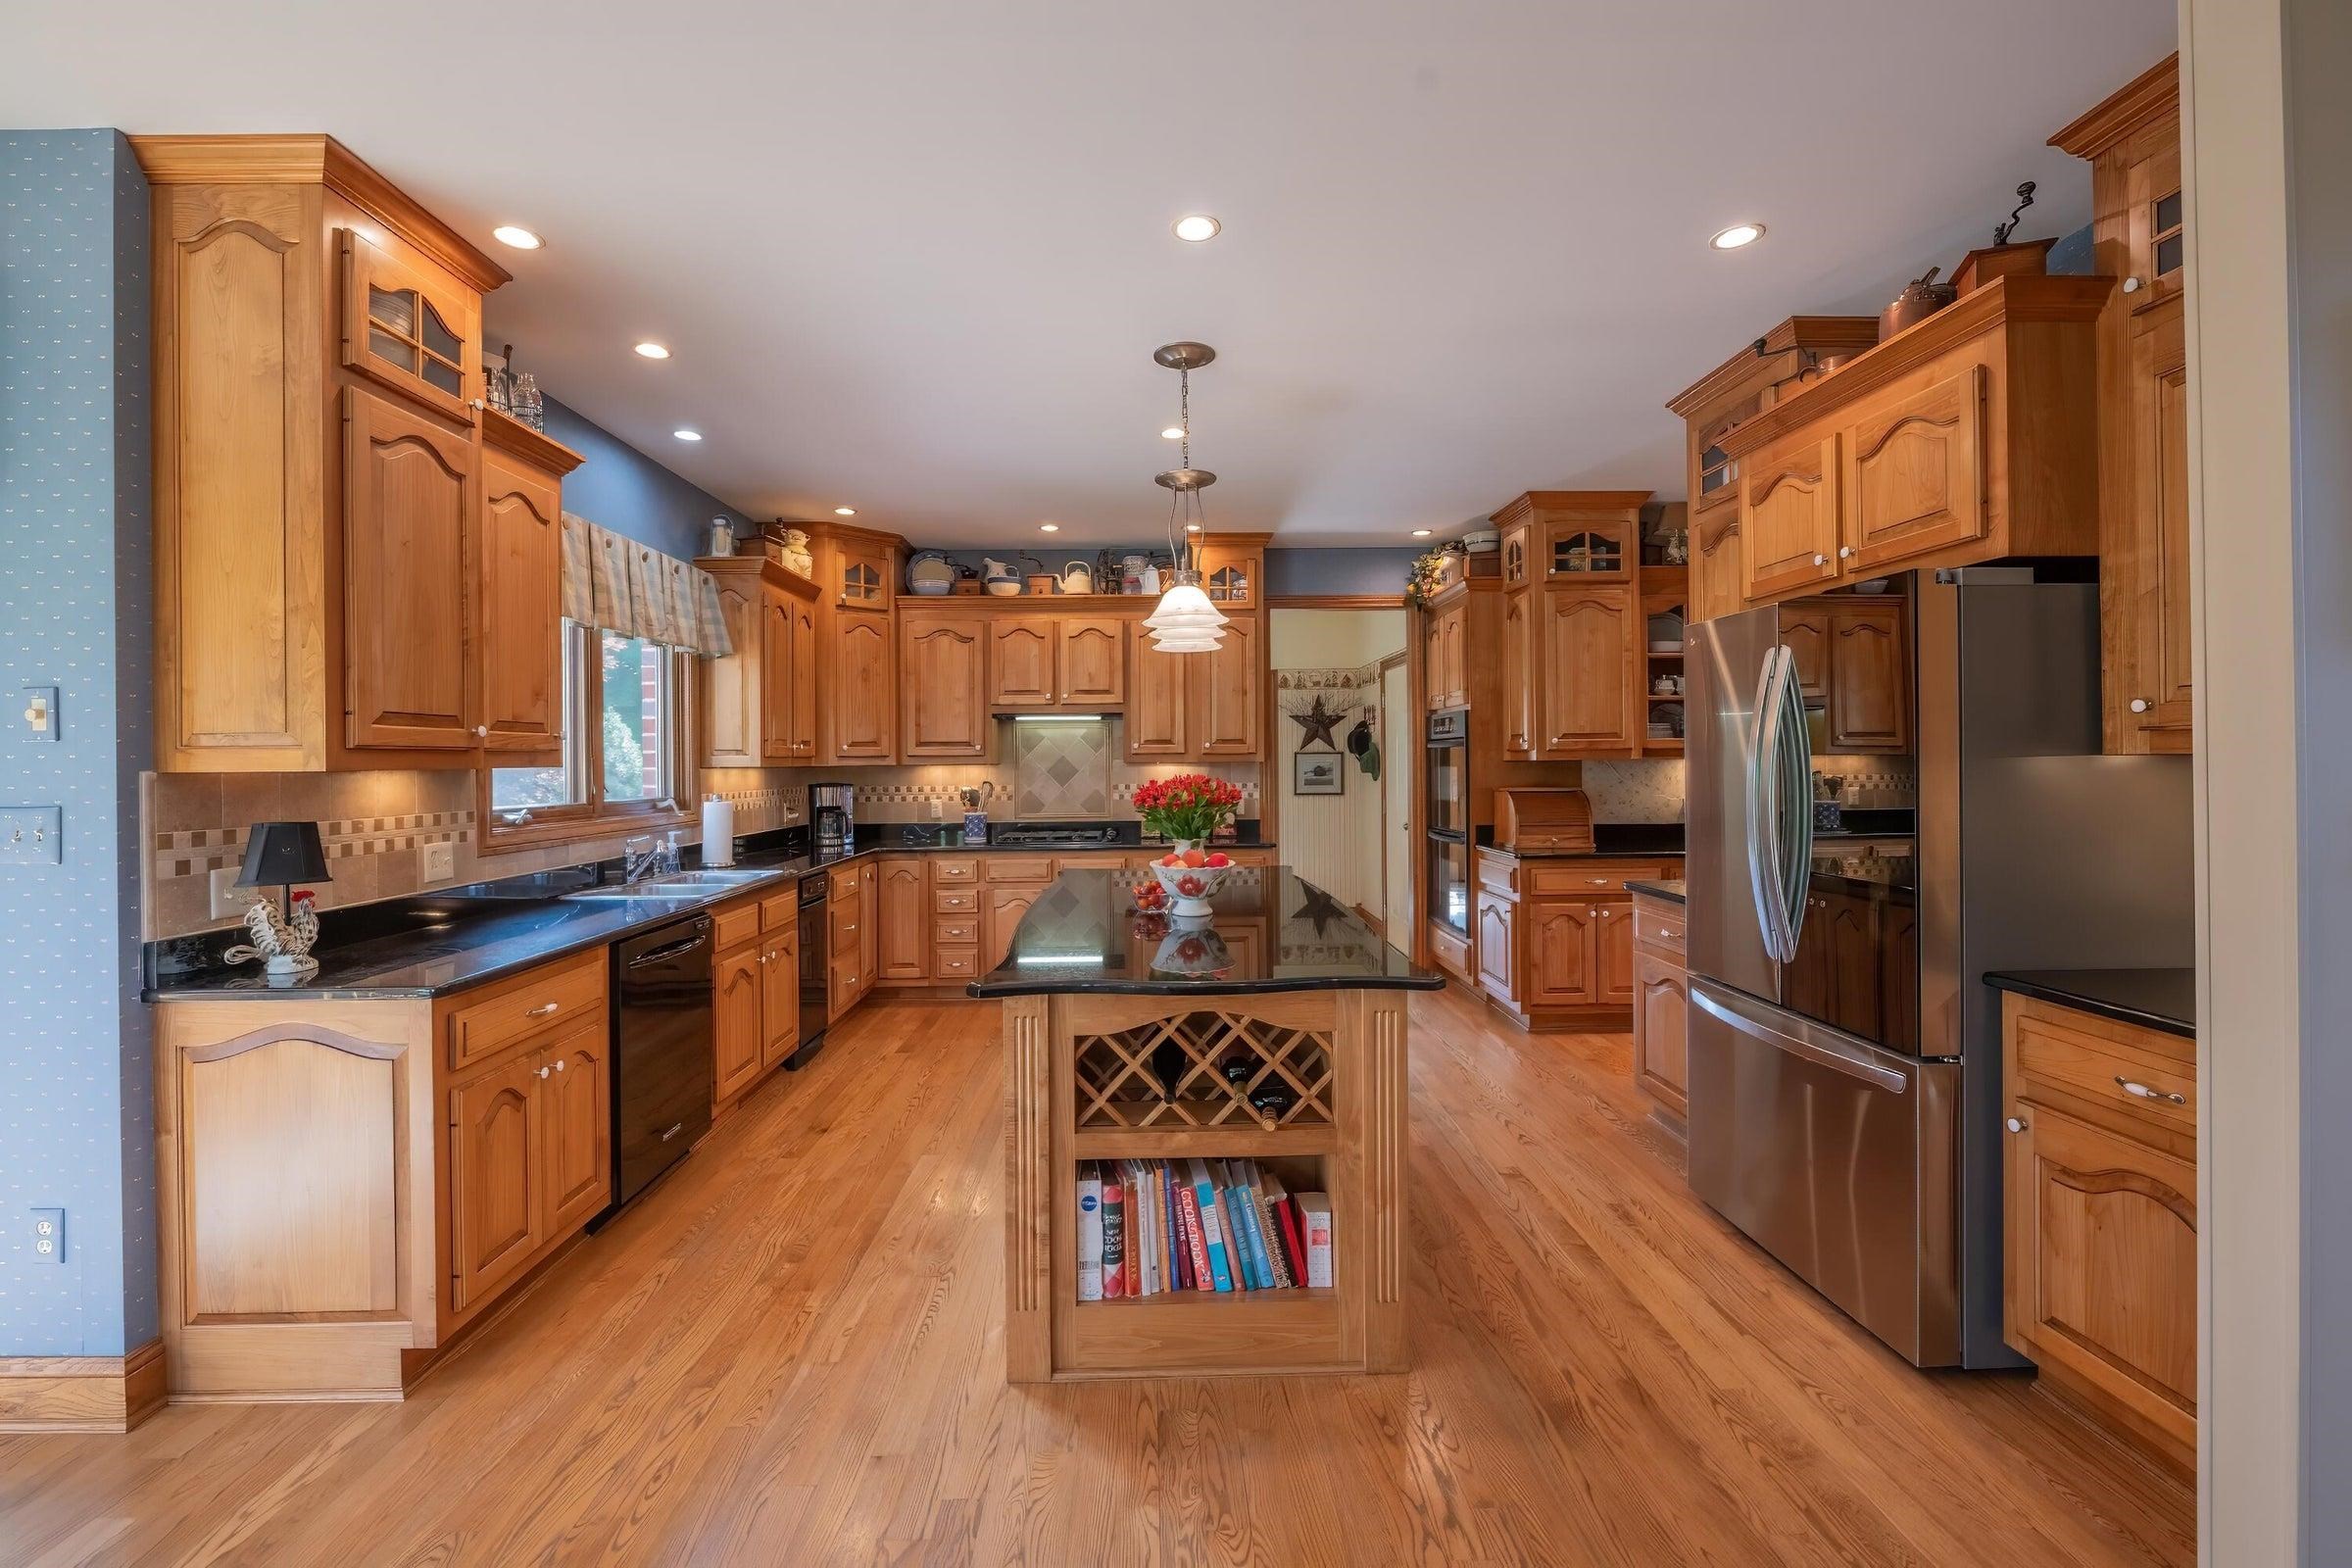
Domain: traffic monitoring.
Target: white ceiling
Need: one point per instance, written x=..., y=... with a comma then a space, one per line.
x=914, y=257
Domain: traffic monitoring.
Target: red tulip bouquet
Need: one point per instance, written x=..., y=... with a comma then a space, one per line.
x=1188, y=809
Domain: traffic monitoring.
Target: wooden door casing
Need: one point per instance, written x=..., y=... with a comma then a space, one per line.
x=1089, y=661
x=1157, y=693
x=1788, y=518
x=575, y=1083
x=1585, y=687
x=1914, y=476
x=519, y=675
x=1021, y=662
x=495, y=1166
x=943, y=664
x=408, y=508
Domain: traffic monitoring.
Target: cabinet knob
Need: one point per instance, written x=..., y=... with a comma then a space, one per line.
x=2140, y=704
x=543, y=1072
x=1845, y=551
x=2130, y=285
x=1820, y=560
x=2015, y=1124
x=481, y=731
x=559, y=1064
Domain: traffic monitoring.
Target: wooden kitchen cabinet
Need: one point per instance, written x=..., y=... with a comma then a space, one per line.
x=1869, y=689
x=1661, y=1008
x=1002, y=907
x=1913, y=475
x=869, y=947
x=759, y=702
x=1232, y=570
x=1789, y=509
x=1021, y=662
x=779, y=994
x=738, y=1028
x=1158, y=696
x=1089, y=663
x=1226, y=693
x=942, y=674
x=1805, y=633
x=497, y=1211
x=2139, y=237
x=1588, y=702
x=904, y=922
x=1613, y=953
x=321, y=550
x=861, y=699
x=407, y=500
x=1563, y=953
x=1498, y=953
x=2101, y=1267
x=1519, y=632
x=518, y=697
x=575, y=1078
x=1447, y=677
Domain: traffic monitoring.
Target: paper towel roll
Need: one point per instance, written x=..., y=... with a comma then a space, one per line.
x=718, y=831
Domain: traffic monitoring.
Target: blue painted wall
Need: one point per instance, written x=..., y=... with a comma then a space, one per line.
x=622, y=489
x=76, y=1058
x=1368, y=569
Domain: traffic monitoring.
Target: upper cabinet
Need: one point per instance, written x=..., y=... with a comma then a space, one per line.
x=1571, y=537
x=1783, y=362
x=1090, y=664
x=943, y=675
x=1585, y=672
x=759, y=703
x=1021, y=662
x=1197, y=707
x=1232, y=570
x=336, y=564
x=2133, y=143
x=1567, y=635
x=520, y=704
x=863, y=681
x=1967, y=437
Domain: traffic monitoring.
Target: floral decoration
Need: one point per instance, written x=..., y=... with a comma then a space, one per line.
x=1424, y=576
x=1191, y=807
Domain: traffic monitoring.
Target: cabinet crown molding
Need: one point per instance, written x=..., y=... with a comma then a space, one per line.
x=1745, y=369
x=1996, y=304
x=2150, y=96
x=314, y=158
x=505, y=433
x=760, y=567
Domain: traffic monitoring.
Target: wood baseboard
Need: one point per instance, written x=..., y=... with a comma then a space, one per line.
x=82, y=1393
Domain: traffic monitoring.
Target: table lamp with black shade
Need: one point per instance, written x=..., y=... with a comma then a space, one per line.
x=281, y=855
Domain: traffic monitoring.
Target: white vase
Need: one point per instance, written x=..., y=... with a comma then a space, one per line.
x=1188, y=887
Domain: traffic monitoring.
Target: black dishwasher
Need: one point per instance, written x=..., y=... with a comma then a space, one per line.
x=662, y=1051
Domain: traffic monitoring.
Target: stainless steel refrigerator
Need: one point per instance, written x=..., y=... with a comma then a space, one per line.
x=1844, y=1053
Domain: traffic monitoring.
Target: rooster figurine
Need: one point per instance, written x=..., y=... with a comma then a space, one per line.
x=283, y=941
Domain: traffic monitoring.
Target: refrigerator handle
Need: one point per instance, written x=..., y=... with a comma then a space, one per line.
x=1837, y=1058
x=1797, y=780
x=1767, y=862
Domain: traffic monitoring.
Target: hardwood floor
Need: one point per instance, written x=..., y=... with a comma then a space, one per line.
x=791, y=1354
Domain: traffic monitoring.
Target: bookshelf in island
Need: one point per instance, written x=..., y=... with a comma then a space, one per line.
x=1238, y=1083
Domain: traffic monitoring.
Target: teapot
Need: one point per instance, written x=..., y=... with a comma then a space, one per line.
x=1077, y=578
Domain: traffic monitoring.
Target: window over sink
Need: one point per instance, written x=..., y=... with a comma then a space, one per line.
x=625, y=752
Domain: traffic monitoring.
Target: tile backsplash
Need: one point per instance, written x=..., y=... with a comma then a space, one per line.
x=1636, y=792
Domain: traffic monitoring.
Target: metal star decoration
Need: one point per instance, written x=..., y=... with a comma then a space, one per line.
x=1319, y=908
x=1318, y=723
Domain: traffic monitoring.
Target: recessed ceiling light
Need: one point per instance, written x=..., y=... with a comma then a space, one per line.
x=1048, y=527
x=1196, y=226
x=1738, y=234
x=653, y=351
x=845, y=512
x=1421, y=533
x=1174, y=432
x=684, y=434
x=523, y=240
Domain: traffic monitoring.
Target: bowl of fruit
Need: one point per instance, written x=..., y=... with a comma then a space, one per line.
x=1190, y=875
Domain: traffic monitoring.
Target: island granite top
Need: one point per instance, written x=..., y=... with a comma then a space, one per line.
x=1273, y=930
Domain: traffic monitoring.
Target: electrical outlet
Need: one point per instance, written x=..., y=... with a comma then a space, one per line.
x=229, y=901
x=48, y=1236
x=936, y=813
x=440, y=861
x=31, y=835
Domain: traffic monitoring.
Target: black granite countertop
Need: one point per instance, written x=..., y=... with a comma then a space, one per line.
x=1611, y=841
x=2153, y=998
x=449, y=941
x=1674, y=892
x=1272, y=931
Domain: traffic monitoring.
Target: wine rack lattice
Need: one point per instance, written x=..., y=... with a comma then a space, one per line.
x=1172, y=1073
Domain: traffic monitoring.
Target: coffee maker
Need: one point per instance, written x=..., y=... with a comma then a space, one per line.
x=829, y=821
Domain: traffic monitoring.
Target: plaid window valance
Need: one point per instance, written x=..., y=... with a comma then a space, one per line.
x=614, y=583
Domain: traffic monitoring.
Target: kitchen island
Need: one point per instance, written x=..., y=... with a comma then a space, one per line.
x=1272, y=1031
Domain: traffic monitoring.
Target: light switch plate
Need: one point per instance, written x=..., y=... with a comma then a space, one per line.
x=440, y=861
x=229, y=901
x=31, y=835
x=40, y=716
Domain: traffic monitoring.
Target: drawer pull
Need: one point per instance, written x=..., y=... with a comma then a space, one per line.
x=2140, y=1091
x=542, y=1009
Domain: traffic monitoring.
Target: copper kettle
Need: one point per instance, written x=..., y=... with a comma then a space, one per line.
x=1922, y=298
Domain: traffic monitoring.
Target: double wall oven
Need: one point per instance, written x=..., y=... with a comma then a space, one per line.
x=1448, y=831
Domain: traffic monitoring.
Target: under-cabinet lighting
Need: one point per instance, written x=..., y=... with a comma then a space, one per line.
x=1054, y=960
x=1056, y=718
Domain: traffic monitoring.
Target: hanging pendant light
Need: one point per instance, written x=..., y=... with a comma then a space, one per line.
x=1185, y=621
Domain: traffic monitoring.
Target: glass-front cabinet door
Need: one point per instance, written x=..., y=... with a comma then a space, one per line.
x=405, y=330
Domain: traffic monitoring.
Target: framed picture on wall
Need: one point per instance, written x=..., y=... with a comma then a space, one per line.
x=1318, y=773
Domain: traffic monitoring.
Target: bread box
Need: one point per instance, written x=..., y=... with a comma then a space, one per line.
x=1556, y=821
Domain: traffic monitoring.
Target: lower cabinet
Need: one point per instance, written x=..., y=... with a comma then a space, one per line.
x=1554, y=938
x=1661, y=1007
x=779, y=994
x=2101, y=1231
x=498, y=1206
x=903, y=922
x=1613, y=953
x=577, y=1081
x=736, y=1025
x=754, y=994
x=1000, y=916
x=1561, y=962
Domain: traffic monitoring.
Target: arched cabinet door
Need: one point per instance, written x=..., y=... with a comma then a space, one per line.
x=408, y=504
x=1089, y=661
x=496, y=1206
x=943, y=675
x=520, y=669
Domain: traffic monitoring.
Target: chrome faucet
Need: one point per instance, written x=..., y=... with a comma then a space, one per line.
x=638, y=863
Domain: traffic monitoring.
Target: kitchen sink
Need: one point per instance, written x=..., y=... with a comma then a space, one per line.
x=679, y=885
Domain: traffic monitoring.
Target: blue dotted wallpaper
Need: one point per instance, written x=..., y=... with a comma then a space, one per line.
x=621, y=488
x=76, y=1058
